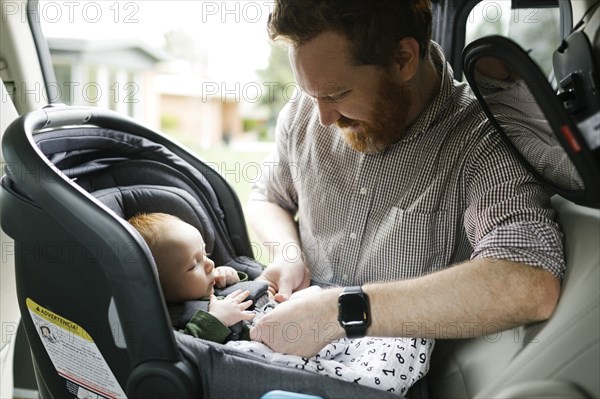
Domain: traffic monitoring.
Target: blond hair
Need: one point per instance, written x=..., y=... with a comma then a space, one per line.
x=150, y=226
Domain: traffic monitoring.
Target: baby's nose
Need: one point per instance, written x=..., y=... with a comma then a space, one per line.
x=209, y=266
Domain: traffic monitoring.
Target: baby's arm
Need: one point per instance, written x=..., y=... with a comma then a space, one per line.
x=226, y=276
x=232, y=308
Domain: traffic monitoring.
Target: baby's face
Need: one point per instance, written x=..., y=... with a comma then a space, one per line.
x=185, y=271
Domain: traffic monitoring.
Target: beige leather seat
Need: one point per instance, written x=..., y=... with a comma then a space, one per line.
x=558, y=358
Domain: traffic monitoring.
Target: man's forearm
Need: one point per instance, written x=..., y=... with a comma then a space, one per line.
x=475, y=298
x=467, y=300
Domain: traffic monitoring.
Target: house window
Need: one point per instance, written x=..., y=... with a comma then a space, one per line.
x=91, y=90
x=64, y=81
x=131, y=94
x=113, y=89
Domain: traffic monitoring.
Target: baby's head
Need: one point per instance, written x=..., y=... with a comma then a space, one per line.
x=184, y=270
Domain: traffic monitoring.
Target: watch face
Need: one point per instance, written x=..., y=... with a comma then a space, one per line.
x=353, y=309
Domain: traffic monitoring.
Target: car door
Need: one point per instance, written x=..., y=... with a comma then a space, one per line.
x=22, y=89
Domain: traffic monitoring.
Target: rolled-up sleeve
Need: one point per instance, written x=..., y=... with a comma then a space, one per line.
x=509, y=215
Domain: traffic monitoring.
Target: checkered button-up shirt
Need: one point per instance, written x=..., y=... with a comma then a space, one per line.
x=449, y=191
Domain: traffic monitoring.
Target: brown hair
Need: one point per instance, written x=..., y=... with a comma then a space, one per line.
x=374, y=27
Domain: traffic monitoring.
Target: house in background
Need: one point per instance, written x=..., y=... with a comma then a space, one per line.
x=196, y=105
x=113, y=74
x=134, y=79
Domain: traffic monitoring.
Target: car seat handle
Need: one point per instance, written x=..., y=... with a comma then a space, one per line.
x=58, y=115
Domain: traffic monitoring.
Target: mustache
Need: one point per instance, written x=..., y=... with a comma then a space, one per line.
x=344, y=122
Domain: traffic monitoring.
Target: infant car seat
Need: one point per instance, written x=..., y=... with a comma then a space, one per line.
x=87, y=287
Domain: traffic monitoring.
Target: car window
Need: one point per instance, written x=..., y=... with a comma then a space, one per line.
x=536, y=30
x=203, y=72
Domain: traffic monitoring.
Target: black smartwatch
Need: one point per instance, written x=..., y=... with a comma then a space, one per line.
x=354, y=313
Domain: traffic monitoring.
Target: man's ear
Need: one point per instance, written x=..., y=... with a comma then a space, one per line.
x=405, y=59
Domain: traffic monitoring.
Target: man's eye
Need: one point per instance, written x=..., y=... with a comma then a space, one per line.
x=335, y=99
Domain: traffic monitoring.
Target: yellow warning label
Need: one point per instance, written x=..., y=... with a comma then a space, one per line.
x=74, y=354
x=56, y=319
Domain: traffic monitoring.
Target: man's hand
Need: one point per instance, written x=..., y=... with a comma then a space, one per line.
x=274, y=224
x=232, y=308
x=226, y=276
x=285, y=277
x=301, y=326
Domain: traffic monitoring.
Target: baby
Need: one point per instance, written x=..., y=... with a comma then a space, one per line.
x=187, y=274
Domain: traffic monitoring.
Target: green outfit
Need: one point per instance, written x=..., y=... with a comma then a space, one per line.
x=206, y=326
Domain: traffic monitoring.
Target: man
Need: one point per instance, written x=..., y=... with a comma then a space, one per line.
x=390, y=179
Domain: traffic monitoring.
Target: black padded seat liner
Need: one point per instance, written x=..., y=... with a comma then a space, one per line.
x=81, y=151
x=131, y=200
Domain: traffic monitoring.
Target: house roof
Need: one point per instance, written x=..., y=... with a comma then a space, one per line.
x=130, y=52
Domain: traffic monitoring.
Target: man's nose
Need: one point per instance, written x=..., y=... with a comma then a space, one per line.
x=328, y=113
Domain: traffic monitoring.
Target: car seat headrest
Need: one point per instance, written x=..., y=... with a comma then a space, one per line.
x=532, y=120
x=128, y=201
x=98, y=158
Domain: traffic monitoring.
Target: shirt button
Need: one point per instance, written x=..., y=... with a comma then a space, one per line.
x=363, y=191
x=353, y=236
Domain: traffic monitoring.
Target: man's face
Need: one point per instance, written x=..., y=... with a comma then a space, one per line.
x=365, y=102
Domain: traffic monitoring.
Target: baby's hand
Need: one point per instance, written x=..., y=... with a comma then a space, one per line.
x=232, y=308
x=226, y=276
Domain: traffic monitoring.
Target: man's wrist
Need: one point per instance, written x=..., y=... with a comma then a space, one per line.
x=354, y=313
x=330, y=312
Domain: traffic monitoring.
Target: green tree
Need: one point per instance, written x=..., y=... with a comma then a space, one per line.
x=278, y=77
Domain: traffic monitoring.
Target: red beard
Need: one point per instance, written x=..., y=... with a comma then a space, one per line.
x=389, y=116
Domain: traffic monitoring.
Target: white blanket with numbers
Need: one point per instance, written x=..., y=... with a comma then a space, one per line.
x=390, y=364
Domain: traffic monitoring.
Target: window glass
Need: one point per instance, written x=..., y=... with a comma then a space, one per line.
x=536, y=30
x=203, y=72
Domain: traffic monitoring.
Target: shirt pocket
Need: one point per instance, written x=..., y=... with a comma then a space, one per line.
x=409, y=244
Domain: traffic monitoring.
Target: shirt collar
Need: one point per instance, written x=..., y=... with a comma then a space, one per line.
x=440, y=101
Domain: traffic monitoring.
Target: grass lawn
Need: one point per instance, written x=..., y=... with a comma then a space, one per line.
x=239, y=164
